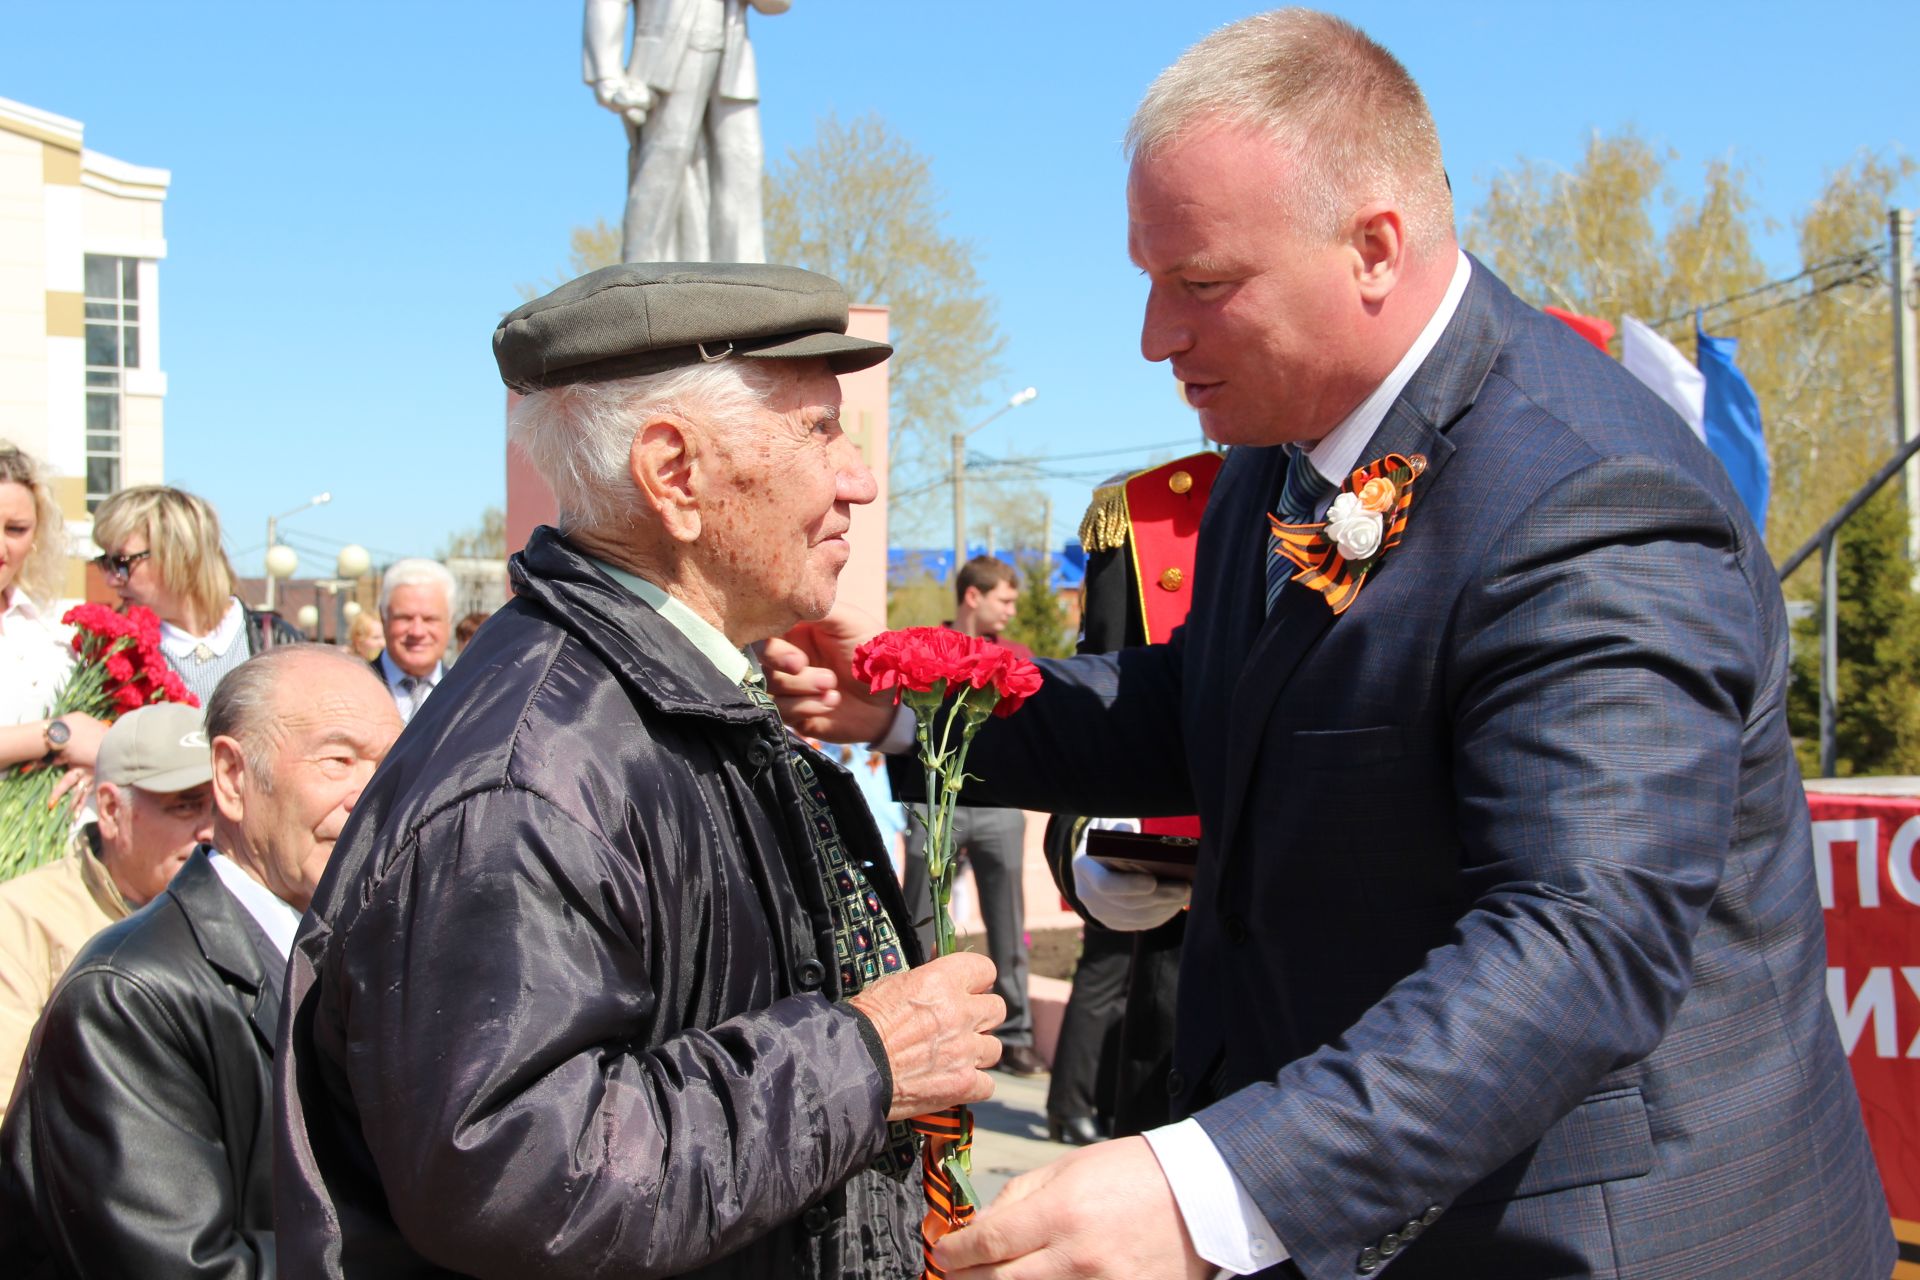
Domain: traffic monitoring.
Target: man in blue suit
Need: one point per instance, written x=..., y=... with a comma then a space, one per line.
x=1505, y=957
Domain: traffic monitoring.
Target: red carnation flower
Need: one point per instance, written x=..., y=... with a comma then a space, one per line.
x=912, y=660
x=1014, y=678
x=915, y=659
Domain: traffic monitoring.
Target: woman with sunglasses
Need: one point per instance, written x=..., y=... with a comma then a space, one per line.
x=161, y=549
x=36, y=655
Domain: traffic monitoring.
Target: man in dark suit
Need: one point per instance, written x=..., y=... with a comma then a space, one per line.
x=1505, y=957
x=140, y=1141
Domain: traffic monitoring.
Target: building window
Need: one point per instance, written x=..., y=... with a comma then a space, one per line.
x=113, y=347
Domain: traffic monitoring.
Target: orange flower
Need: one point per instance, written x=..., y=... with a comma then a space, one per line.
x=1377, y=495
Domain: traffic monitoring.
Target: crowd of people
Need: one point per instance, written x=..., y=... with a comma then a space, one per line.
x=1501, y=956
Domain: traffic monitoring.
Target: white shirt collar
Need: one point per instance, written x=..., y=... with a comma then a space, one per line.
x=390, y=671
x=19, y=605
x=180, y=645
x=276, y=918
x=734, y=663
x=1338, y=452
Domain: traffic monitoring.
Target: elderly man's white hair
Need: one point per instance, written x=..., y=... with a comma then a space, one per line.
x=580, y=437
x=1338, y=105
x=417, y=572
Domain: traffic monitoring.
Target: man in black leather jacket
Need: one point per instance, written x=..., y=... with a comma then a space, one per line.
x=140, y=1141
x=605, y=979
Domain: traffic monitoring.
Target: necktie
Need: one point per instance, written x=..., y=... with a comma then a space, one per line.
x=1300, y=496
x=416, y=688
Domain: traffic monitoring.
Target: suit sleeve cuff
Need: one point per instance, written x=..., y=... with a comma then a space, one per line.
x=1225, y=1225
x=899, y=737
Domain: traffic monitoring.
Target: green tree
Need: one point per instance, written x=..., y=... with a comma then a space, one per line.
x=1613, y=238
x=485, y=541
x=1877, y=714
x=1039, y=619
x=860, y=204
x=919, y=600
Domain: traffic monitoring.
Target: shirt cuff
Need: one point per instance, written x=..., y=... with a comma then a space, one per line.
x=899, y=737
x=1226, y=1226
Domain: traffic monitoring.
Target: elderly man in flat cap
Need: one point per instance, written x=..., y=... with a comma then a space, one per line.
x=610, y=975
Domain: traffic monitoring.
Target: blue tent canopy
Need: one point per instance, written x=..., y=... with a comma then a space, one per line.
x=1069, y=563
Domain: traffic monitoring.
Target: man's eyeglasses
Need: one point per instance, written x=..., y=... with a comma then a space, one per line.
x=119, y=566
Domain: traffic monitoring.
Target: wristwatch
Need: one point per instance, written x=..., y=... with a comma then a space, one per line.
x=56, y=734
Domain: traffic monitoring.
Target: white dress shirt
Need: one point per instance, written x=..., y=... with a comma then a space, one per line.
x=277, y=919
x=408, y=701
x=1226, y=1226
x=36, y=656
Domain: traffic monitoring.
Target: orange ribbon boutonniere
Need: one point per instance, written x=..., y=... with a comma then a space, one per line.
x=1365, y=521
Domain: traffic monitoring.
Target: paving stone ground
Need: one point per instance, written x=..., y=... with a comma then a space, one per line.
x=1010, y=1133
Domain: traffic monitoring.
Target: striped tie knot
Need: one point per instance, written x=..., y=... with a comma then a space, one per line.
x=1301, y=493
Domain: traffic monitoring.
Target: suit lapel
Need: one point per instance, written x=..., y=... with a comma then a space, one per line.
x=1438, y=395
x=233, y=944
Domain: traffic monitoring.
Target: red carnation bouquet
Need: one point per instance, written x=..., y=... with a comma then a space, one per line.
x=953, y=682
x=120, y=668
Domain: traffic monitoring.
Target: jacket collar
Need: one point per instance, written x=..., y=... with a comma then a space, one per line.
x=95, y=876
x=231, y=943
x=646, y=653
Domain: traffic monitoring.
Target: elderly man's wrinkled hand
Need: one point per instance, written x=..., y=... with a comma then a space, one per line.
x=810, y=674
x=1104, y=1211
x=934, y=1022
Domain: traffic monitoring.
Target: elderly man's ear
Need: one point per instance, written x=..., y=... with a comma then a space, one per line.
x=229, y=775
x=666, y=463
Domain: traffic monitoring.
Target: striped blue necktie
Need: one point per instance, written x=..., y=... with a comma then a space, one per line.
x=1300, y=496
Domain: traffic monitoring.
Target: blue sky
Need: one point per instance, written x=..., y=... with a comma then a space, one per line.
x=359, y=187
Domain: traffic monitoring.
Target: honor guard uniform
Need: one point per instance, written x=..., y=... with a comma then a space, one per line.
x=1115, y=1049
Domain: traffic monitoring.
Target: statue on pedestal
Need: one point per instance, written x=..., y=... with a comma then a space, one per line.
x=688, y=95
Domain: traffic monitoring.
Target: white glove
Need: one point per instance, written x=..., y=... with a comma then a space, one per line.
x=1127, y=901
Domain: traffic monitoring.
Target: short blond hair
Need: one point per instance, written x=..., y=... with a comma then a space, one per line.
x=182, y=532
x=41, y=574
x=1338, y=105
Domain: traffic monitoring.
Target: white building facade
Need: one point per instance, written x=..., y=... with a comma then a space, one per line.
x=81, y=383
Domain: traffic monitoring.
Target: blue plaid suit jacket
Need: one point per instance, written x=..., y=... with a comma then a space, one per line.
x=1505, y=956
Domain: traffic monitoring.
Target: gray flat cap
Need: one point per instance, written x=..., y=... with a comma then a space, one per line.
x=646, y=317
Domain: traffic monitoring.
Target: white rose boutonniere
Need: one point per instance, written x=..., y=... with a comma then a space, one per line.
x=1353, y=530
x=1367, y=519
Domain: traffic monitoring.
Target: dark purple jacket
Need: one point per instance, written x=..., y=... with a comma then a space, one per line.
x=565, y=1004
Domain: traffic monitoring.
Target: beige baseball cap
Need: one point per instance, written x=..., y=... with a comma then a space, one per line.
x=158, y=748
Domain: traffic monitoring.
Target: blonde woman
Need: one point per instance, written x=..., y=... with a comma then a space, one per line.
x=35, y=656
x=161, y=549
x=365, y=636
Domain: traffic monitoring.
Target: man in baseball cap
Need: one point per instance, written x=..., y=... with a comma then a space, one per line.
x=154, y=801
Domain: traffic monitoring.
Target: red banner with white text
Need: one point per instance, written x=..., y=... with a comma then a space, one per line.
x=1866, y=851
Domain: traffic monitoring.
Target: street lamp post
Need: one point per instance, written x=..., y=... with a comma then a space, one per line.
x=1014, y=401
x=279, y=565
x=351, y=564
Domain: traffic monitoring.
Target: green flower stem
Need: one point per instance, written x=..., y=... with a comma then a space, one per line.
x=935, y=717
x=36, y=833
